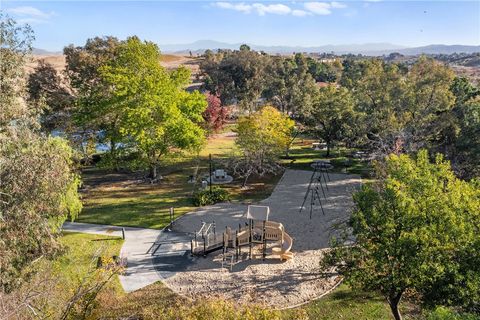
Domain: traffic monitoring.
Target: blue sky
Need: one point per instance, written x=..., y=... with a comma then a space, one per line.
x=305, y=23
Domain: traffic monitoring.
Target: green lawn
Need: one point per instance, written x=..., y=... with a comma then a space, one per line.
x=124, y=200
x=80, y=257
x=301, y=156
x=343, y=303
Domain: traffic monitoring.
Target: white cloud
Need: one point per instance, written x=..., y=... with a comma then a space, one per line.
x=338, y=5
x=242, y=7
x=27, y=14
x=271, y=8
x=300, y=13
x=323, y=8
x=320, y=8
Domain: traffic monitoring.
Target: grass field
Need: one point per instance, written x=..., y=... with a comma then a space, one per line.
x=124, y=199
x=81, y=255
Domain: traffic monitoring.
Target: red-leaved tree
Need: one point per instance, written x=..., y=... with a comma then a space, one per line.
x=215, y=115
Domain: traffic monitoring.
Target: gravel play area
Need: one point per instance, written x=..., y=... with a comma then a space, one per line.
x=270, y=281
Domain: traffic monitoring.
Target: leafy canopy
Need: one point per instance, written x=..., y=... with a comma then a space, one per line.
x=412, y=229
x=156, y=110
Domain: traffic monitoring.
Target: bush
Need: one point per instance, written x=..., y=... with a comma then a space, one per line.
x=205, y=197
x=443, y=313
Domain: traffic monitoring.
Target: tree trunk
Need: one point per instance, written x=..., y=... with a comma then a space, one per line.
x=113, y=153
x=393, y=303
x=153, y=172
x=328, y=149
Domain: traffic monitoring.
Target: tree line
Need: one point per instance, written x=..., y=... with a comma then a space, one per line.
x=367, y=103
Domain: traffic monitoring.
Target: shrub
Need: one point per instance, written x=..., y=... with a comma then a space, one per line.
x=443, y=313
x=205, y=197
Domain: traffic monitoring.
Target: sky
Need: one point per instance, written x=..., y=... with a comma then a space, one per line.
x=293, y=23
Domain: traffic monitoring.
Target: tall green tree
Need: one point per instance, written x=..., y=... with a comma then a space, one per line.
x=236, y=76
x=156, y=110
x=413, y=230
x=289, y=85
x=48, y=93
x=97, y=118
x=431, y=122
x=331, y=115
x=380, y=95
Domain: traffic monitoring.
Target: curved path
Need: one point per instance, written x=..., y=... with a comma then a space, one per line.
x=293, y=282
x=141, y=270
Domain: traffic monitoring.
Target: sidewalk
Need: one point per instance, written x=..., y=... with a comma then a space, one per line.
x=141, y=270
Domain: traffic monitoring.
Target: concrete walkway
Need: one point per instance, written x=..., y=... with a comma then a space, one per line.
x=138, y=241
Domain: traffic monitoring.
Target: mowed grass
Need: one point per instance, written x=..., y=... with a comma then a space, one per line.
x=80, y=258
x=301, y=156
x=125, y=199
x=344, y=303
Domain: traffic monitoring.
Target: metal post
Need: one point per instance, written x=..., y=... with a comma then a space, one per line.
x=264, y=242
x=250, y=237
x=211, y=180
x=123, y=233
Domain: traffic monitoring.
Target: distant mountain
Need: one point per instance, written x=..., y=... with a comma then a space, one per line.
x=42, y=52
x=202, y=45
x=440, y=49
x=374, y=49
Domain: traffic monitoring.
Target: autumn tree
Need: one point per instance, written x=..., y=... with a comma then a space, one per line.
x=331, y=115
x=154, y=108
x=262, y=137
x=215, y=115
x=414, y=229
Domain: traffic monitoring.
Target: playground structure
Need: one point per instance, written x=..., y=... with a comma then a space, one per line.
x=257, y=231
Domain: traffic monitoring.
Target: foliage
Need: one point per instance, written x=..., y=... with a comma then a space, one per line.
x=38, y=189
x=69, y=286
x=15, y=47
x=48, y=92
x=205, y=197
x=430, y=116
x=289, y=87
x=38, y=192
x=466, y=149
x=413, y=230
x=156, y=111
x=331, y=116
x=262, y=137
x=443, y=313
x=323, y=72
x=95, y=118
x=235, y=76
x=215, y=115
